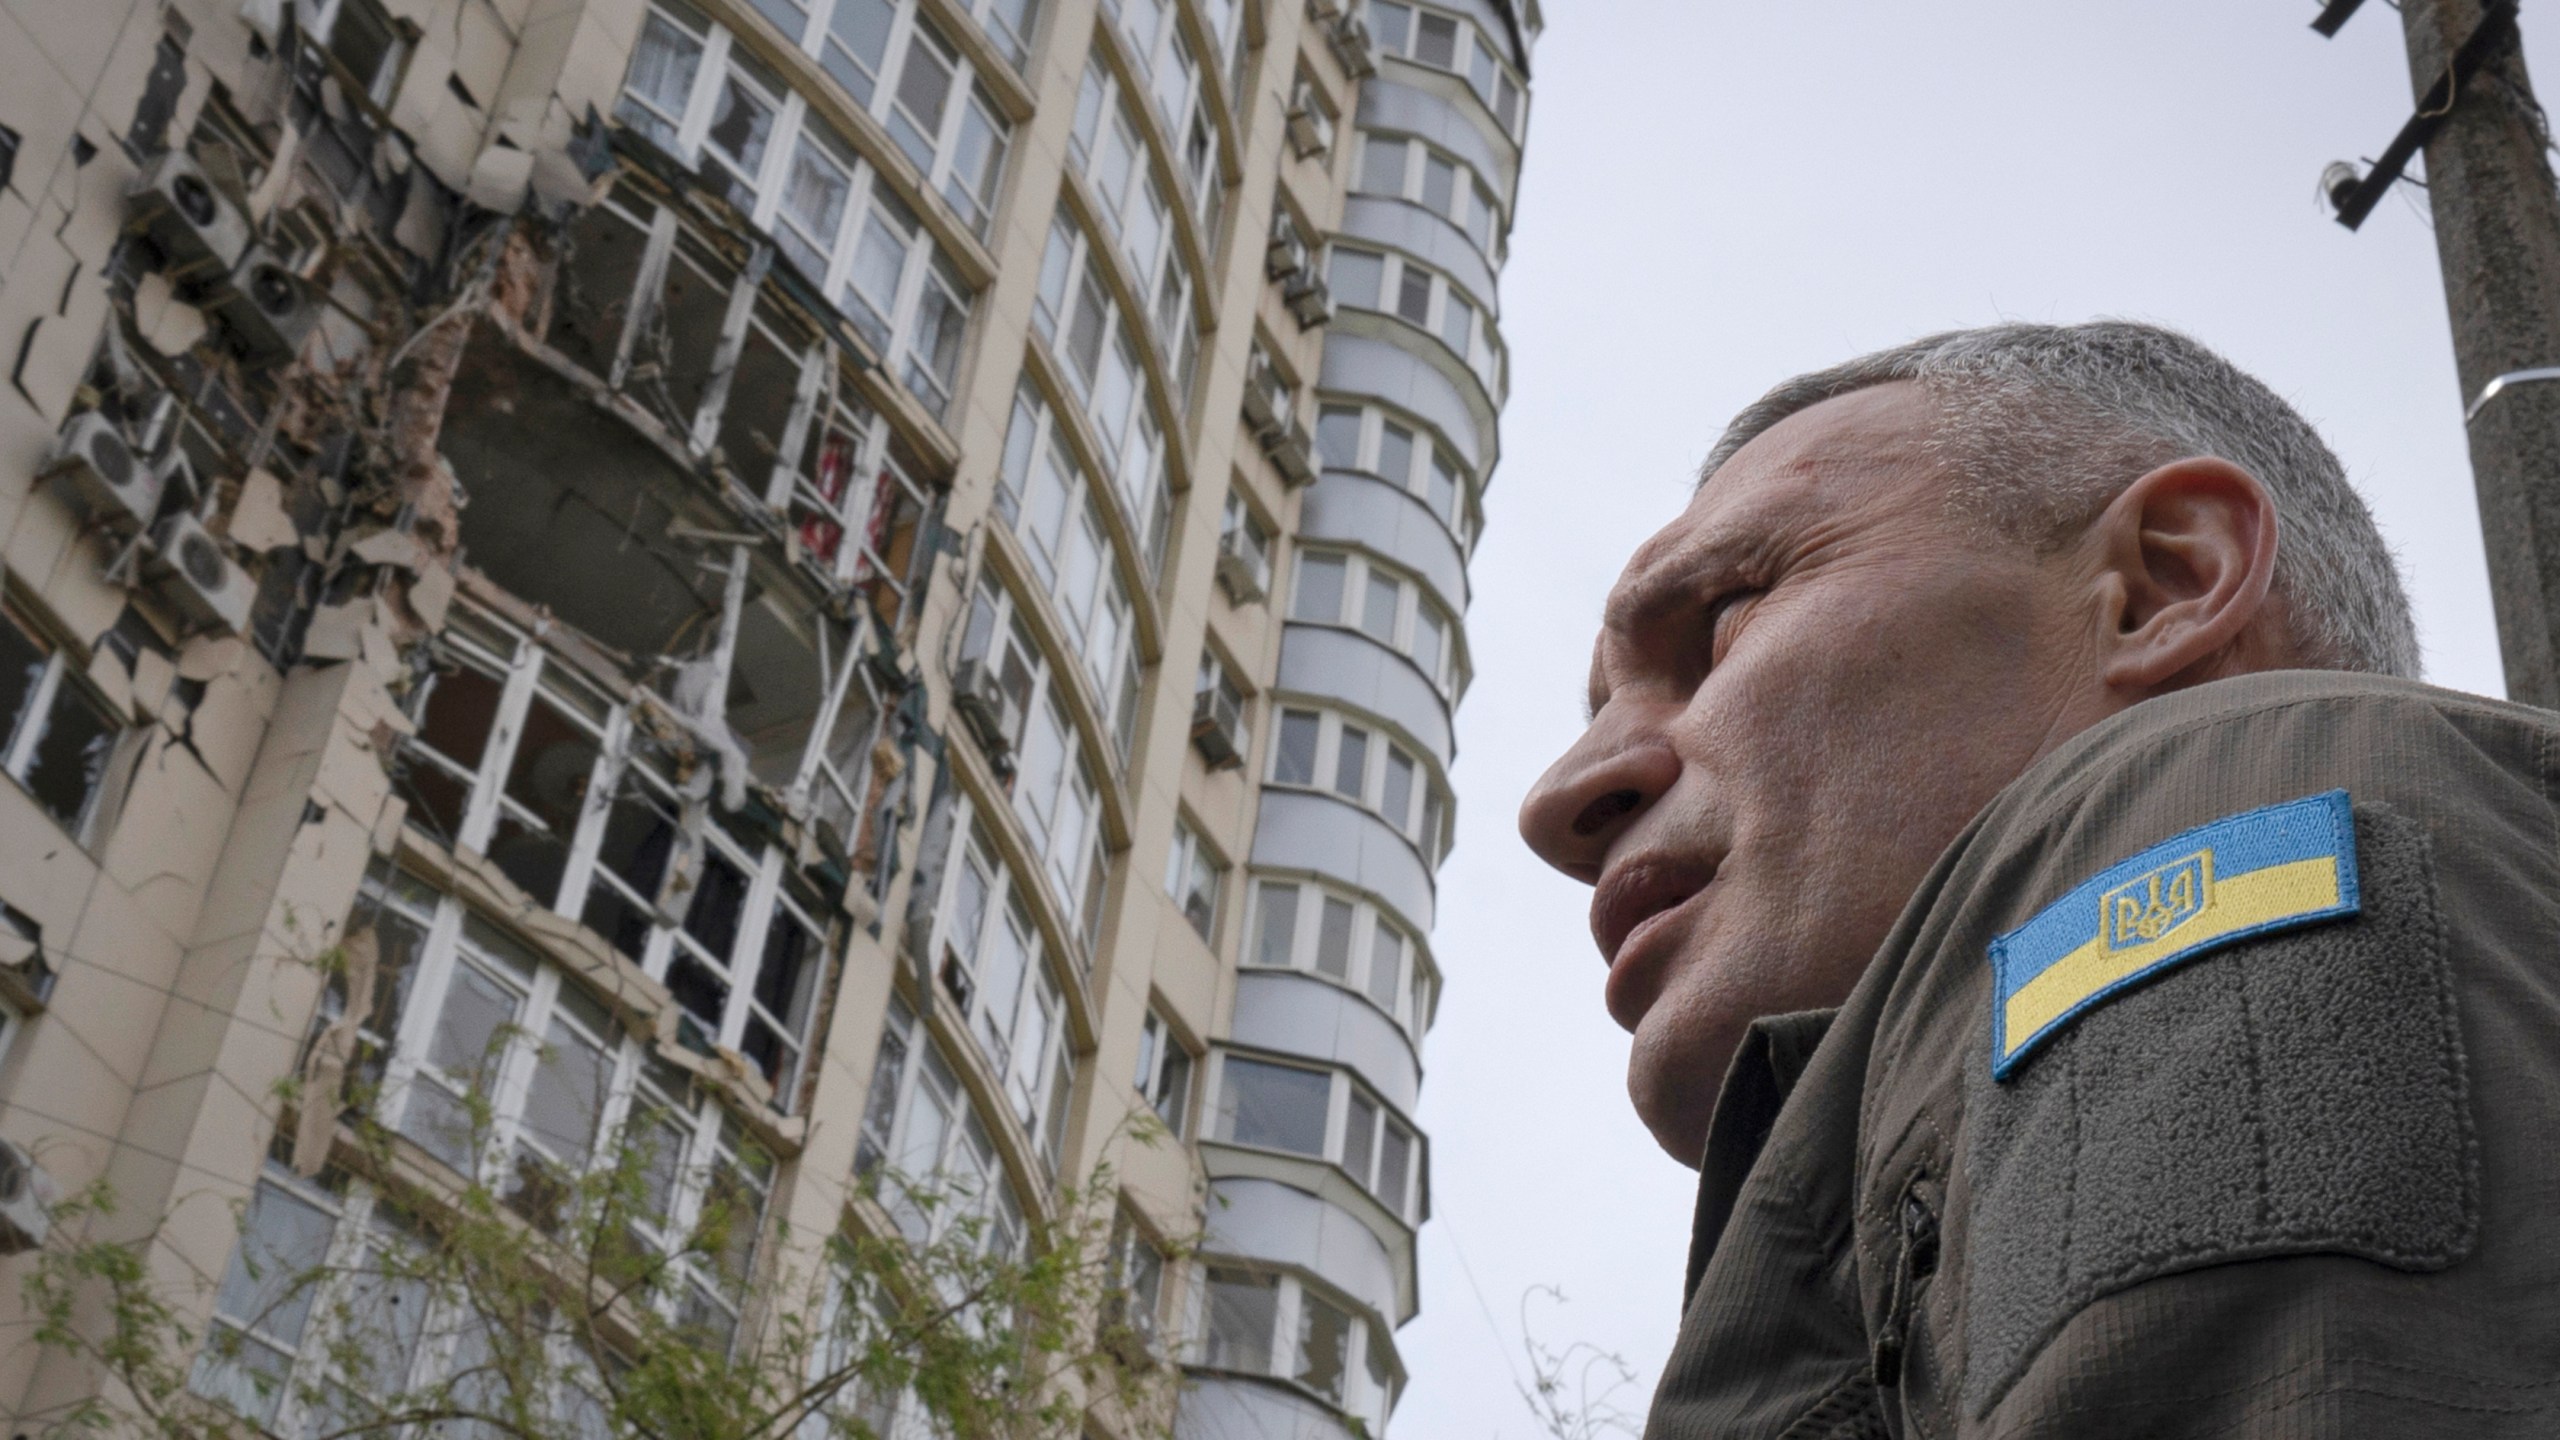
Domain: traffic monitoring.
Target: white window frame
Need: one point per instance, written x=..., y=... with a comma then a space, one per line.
x=1022, y=1049
x=1340, y=1098
x=1475, y=58
x=1410, y=988
x=527, y=674
x=1363, y=1397
x=1482, y=354
x=1369, y=454
x=710, y=1141
x=1472, y=208
x=912, y=1070
x=1413, y=600
x=1191, y=865
x=1163, y=275
x=1426, y=811
x=1132, y=441
x=1037, y=457
x=925, y=278
x=59, y=680
x=1169, y=1074
x=996, y=633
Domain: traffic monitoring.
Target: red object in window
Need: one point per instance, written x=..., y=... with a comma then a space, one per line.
x=820, y=535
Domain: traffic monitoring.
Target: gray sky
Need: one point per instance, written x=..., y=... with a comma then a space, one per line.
x=1720, y=195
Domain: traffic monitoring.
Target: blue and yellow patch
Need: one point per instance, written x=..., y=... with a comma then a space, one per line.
x=2242, y=875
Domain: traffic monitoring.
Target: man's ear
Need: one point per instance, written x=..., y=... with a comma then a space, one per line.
x=2186, y=554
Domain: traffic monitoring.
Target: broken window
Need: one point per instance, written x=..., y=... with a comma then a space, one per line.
x=1165, y=1068
x=60, y=737
x=537, y=772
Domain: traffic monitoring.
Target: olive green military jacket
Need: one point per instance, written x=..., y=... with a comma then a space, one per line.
x=2208, y=1085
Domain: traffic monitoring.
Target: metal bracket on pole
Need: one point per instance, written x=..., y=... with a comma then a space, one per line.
x=2500, y=385
x=2334, y=16
x=2496, y=23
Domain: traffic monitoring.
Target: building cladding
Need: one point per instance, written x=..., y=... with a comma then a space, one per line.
x=886, y=576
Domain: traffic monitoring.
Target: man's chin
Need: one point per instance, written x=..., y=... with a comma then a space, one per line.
x=1674, y=1073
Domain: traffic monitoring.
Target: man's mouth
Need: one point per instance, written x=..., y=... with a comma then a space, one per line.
x=1636, y=892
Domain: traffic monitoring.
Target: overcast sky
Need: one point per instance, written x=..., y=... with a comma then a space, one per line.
x=1721, y=194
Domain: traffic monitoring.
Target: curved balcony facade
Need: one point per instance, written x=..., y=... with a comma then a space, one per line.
x=1308, y=1154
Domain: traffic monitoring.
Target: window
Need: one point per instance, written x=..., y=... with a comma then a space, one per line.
x=1274, y=1107
x=704, y=99
x=1371, y=281
x=61, y=738
x=1055, y=795
x=1194, y=878
x=1165, y=1068
x=1110, y=153
x=1134, y=1295
x=1386, y=605
x=1447, y=42
x=1401, y=452
x=1300, y=925
x=520, y=759
x=991, y=962
x=1294, y=758
x=498, y=1064
x=1045, y=495
x=1244, y=546
x=1288, y=1329
x=1365, y=768
x=1244, y=1309
x=941, y=1166
x=1324, y=1115
x=1077, y=312
x=1162, y=58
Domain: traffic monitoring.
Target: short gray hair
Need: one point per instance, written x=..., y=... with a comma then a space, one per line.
x=2044, y=425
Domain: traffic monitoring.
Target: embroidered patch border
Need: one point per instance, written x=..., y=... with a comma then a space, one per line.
x=2261, y=870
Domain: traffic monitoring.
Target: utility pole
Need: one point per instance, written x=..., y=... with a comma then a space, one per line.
x=2496, y=211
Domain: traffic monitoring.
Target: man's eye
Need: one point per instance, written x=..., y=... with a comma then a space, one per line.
x=1723, y=618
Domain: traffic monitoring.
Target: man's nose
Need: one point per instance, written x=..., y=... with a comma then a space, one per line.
x=1591, y=796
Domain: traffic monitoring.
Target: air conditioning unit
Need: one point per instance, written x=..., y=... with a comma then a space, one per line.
x=26, y=1200
x=1324, y=9
x=186, y=219
x=1349, y=36
x=97, y=471
x=1245, y=578
x=1308, y=298
x=269, y=309
x=1217, y=727
x=1287, y=253
x=1310, y=129
x=989, y=710
x=1266, y=400
x=193, y=574
x=1295, y=453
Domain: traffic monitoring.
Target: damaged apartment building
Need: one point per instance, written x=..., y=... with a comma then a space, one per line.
x=886, y=572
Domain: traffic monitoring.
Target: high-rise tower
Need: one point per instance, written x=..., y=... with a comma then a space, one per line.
x=877, y=585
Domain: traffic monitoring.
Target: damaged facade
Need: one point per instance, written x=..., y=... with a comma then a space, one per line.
x=883, y=574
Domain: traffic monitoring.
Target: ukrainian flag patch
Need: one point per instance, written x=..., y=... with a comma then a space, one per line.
x=2243, y=875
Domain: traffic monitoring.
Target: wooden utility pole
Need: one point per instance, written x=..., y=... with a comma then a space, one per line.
x=2497, y=221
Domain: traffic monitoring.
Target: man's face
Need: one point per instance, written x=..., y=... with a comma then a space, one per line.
x=1805, y=686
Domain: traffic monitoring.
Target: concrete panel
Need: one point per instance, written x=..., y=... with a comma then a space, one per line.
x=1334, y=838
x=1364, y=510
x=1229, y=1406
x=1461, y=127
x=1356, y=364
x=1301, y=1015
x=1406, y=226
x=1352, y=668
x=1266, y=1220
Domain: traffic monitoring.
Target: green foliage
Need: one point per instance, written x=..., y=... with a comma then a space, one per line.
x=391, y=1298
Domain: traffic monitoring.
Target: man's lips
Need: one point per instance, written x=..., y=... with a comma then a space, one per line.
x=1636, y=890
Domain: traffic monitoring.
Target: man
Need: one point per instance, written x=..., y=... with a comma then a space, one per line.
x=2137, y=1008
